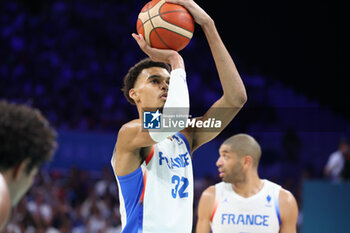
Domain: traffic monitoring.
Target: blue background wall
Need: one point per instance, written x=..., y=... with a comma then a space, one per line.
x=326, y=207
x=90, y=151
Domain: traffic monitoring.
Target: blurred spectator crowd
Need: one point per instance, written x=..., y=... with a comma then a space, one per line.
x=75, y=201
x=62, y=203
x=68, y=59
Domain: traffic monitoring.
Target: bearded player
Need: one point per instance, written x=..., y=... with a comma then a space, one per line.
x=244, y=202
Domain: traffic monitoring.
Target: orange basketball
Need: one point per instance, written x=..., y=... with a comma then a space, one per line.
x=165, y=25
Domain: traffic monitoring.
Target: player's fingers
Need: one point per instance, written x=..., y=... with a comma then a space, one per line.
x=134, y=35
x=142, y=43
x=137, y=37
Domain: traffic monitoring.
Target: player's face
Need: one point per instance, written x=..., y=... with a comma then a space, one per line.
x=22, y=183
x=151, y=88
x=229, y=165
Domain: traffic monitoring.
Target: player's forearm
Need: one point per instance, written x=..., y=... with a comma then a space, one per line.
x=231, y=82
x=176, y=107
x=176, y=62
x=178, y=96
x=203, y=227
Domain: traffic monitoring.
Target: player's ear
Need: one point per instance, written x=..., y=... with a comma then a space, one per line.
x=133, y=95
x=247, y=161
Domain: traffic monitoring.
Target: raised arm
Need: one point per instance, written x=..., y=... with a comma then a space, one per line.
x=133, y=142
x=234, y=93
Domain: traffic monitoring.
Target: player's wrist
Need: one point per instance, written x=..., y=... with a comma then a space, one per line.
x=207, y=23
x=176, y=61
x=200, y=16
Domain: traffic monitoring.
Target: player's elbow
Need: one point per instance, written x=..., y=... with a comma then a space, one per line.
x=236, y=100
x=242, y=99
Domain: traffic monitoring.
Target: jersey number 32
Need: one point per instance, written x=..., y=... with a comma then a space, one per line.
x=180, y=186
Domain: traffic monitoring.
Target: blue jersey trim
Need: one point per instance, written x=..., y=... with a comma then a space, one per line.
x=185, y=140
x=277, y=207
x=131, y=175
x=140, y=227
x=130, y=185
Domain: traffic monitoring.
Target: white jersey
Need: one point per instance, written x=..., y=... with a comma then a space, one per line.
x=158, y=196
x=234, y=213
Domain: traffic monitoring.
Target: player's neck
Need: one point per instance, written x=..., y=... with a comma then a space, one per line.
x=249, y=187
x=140, y=111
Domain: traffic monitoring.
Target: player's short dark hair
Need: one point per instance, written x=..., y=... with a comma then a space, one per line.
x=24, y=134
x=131, y=77
x=244, y=144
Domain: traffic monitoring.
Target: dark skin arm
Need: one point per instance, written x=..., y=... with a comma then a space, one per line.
x=288, y=212
x=205, y=209
x=234, y=93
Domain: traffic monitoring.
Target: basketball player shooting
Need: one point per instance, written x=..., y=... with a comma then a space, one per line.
x=153, y=168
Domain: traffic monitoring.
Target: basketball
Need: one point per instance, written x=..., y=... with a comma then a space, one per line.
x=165, y=25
